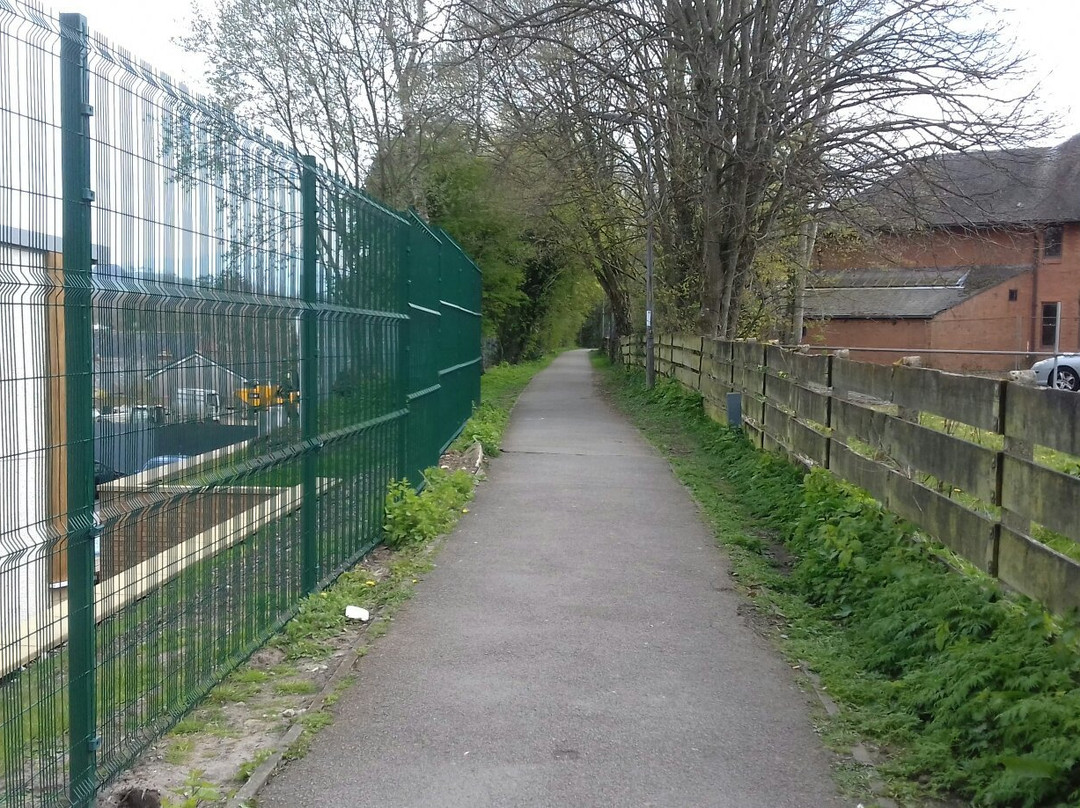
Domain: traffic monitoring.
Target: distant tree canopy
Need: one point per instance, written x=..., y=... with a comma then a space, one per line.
x=507, y=211
x=544, y=135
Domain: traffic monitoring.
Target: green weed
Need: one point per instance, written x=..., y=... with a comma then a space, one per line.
x=252, y=676
x=196, y=791
x=179, y=751
x=316, y=721
x=312, y=723
x=413, y=516
x=298, y=687
x=230, y=693
x=189, y=726
x=248, y=767
x=334, y=696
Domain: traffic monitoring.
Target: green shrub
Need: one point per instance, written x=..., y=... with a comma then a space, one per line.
x=486, y=427
x=412, y=516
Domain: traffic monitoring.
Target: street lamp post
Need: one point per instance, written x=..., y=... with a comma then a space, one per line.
x=650, y=357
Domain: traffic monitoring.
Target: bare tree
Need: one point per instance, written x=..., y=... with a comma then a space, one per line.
x=358, y=83
x=753, y=113
x=729, y=122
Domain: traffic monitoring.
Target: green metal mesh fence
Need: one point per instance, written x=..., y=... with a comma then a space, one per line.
x=215, y=357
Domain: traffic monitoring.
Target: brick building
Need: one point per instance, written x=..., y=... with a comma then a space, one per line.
x=969, y=252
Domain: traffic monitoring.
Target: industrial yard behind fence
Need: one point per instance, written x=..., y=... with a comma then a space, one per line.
x=215, y=356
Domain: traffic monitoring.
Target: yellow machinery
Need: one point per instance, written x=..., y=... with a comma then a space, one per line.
x=262, y=395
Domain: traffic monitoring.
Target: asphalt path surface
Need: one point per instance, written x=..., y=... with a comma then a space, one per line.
x=579, y=644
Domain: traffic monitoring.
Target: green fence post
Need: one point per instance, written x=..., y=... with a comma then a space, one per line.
x=477, y=302
x=405, y=272
x=75, y=112
x=443, y=350
x=309, y=378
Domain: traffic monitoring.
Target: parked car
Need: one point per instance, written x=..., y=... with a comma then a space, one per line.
x=162, y=460
x=1065, y=377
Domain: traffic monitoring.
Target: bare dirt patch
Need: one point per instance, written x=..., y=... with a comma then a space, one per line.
x=216, y=747
x=469, y=460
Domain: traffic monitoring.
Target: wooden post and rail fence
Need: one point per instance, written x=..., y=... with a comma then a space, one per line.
x=974, y=462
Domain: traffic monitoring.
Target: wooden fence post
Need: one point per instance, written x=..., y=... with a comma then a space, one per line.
x=828, y=410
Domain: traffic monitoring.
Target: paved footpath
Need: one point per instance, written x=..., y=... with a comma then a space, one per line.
x=578, y=645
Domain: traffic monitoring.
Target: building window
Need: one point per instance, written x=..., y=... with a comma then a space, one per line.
x=1053, y=239
x=1049, y=324
x=1013, y=295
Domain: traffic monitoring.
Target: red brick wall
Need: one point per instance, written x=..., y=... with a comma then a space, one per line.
x=988, y=321
x=910, y=335
x=938, y=249
x=1060, y=281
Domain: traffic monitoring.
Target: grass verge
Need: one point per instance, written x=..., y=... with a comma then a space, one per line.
x=960, y=690
x=499, y=389
x=279, y=692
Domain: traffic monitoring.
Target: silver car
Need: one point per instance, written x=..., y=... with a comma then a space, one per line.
x=1065, y=377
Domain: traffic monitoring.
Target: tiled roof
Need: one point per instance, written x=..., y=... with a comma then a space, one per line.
x=899, y=294
x=1020, y=186
x=857, y=278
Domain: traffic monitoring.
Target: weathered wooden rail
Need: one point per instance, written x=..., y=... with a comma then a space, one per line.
x=953, y=454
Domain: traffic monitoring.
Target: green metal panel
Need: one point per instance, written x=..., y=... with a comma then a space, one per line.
x=281, y=343
x=404, y=351
x=462, y=363
x=427, y=345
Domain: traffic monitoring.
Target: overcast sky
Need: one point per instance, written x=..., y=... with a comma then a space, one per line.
x=144, y=27
x=1045, y=28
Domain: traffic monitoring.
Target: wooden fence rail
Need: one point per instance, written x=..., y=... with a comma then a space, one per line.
x=980, y=464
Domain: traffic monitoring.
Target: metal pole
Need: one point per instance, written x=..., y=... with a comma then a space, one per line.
x=75, y=113
x=650, y=359
x=869, y=349
x=309, y=378
x=1057, y=343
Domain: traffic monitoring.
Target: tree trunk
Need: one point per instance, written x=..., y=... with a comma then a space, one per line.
x=807, y=239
